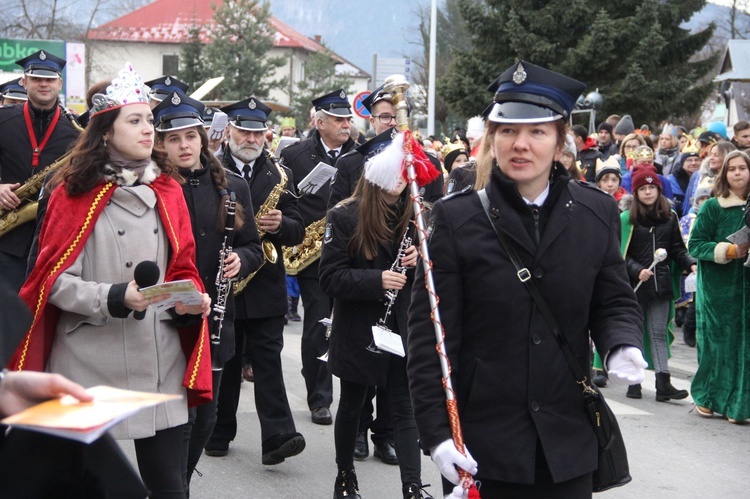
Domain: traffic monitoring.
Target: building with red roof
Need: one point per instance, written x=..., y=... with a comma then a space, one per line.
x=152, y=38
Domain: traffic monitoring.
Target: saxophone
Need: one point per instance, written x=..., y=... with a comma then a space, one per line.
x=298, y=258
x=28, y=193
x=223, y=284
x=269, y=251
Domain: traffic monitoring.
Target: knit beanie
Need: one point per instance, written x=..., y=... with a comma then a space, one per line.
x=625, y=126
x=645, y=175
x=609, y=166
x=604, y=126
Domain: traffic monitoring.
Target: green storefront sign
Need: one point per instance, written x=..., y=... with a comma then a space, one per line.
x=12, y=50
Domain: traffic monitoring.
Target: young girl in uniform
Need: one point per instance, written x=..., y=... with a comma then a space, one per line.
x=206, y=187
x=363, y=236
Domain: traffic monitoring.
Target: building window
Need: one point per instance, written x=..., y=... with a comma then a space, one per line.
x=301, y=71
x=170, y=64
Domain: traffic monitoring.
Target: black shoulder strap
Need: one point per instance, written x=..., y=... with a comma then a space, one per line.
x=525, y=277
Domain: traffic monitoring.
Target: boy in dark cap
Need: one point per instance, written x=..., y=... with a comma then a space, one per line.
x=164, y=86
x=12, y=92
x=605, y=141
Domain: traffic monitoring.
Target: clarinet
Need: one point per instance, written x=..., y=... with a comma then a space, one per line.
x=223, y=284
x=391, y=294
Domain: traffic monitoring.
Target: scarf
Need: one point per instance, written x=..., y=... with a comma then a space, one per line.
x=127, y=172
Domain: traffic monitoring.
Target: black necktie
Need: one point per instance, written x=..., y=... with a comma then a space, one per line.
x=333, y=154
x=247, y=171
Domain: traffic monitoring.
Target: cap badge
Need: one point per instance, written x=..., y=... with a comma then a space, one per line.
x=167, y=81
x=176, y=99
x=519, y=76
x=252, y=104
x=650, y=180
x=209, y=111
x=342, y=95
x=42, y=55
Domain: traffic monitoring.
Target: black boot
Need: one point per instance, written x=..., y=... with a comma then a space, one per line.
x=634, y=392
x=600, y=378
x=415, y=491
x=293, y=315
x=665, y=390
x=346, y=486
x=679, y=316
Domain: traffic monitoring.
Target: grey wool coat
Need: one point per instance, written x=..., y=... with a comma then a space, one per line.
x=91, y=346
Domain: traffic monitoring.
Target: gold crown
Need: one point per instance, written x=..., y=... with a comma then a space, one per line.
x=288, y=121
x=691, y=146
x=641, y=153
x=449, y=146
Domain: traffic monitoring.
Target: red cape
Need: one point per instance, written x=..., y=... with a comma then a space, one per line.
x=64, y=233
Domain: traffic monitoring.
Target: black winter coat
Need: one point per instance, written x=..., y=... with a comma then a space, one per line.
x=204, y=204
x=301, y=158
x=513, y=386
x=644, y=241
x=356, y=285
x=16, y=154
x=265, y=295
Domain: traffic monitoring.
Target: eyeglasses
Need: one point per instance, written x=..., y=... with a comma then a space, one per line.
x=385, y=118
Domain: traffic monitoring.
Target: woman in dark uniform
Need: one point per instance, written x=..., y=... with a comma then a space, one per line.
x=521, y=410
x=365, y=236
x=207, y=185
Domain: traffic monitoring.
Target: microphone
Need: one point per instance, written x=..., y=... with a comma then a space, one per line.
x=146, y=274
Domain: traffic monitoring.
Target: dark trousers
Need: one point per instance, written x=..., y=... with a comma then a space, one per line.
x=381, y=427
x=161, y=462
x=314, y=344
x=13, y=270
x=543, y=488
x=200, y=425
x=406, y=440
x=265, y=340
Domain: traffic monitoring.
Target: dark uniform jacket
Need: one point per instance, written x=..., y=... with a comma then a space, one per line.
x=349, y=169
x=513, y=385
x=265, y=295
x=15, y=159
x=204, y=204
x=356, y=285
x=644, y=241
x=302, y=158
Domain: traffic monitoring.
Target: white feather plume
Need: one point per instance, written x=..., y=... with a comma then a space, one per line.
x=386, y=168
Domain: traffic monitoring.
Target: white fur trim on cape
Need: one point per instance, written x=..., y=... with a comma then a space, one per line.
x=720, y=252
x=129, y=177
x=730, y=201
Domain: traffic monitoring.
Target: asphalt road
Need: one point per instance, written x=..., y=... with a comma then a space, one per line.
x=673, y=452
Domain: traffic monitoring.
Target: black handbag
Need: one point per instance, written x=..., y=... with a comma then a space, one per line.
x=613, y=470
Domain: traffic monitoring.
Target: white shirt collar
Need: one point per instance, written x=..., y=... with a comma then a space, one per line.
x=239, y=165
x=541, y=198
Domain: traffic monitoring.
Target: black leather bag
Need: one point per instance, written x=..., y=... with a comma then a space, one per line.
x=613, y=470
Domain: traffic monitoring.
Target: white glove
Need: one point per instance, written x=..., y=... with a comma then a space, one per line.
x=446, y=457
x=626, y=366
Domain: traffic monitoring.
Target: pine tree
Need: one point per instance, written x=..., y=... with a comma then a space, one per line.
x=320, y=79
x=240, y=41
x=192, y=65
x=633, y=51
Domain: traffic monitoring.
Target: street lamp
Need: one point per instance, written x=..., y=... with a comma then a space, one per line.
x=589, y=104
